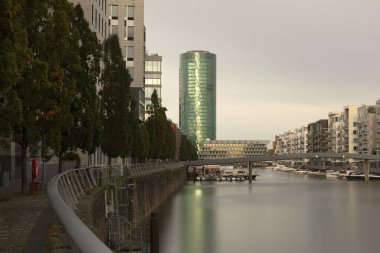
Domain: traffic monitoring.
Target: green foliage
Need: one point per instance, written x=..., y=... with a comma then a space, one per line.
x=161, y=137
x=13, y=57
x=71, y=156
x=187, y=150
x=116, y=138
x=371, y=109
x=83, y=133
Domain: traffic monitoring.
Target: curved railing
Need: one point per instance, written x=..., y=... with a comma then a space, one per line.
x=65, y=190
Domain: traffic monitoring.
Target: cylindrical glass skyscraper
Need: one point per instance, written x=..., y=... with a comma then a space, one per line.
x=197, y=96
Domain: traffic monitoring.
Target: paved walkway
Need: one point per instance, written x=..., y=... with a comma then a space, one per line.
x=19, y=215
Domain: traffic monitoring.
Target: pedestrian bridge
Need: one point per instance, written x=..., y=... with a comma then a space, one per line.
x=269, y=158
x=136, y=190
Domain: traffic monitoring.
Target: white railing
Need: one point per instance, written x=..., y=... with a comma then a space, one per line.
x=66, y=189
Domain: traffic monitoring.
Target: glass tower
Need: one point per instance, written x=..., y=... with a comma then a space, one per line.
x=197, y=96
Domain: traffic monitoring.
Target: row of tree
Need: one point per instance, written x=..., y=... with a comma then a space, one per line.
x=49, y=71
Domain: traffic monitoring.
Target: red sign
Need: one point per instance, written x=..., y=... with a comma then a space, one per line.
x=35, y=167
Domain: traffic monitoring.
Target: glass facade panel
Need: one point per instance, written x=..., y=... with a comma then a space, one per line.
x=197, y=96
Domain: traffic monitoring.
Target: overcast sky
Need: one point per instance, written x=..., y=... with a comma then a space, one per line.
x=281, y=64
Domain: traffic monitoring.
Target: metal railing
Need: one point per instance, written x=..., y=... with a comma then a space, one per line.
x=66, y=189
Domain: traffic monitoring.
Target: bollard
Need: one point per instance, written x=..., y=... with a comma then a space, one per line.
x=250, y=172
x=154, y=232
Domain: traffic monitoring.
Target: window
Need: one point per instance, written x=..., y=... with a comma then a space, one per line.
x=114, y=12
x=131, y=33
x=130, y=71
x=92, y=14
x=114, y=29
x=96, y=18
x=130, y=12
x=130, y=53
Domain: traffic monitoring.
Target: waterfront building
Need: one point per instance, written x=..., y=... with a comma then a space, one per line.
x=350, y=129
x=197, y=96
x=317, y=136
x=124, y=18
x=366, y=129
x=291, y=142
x=215, y=149
x=153, y=74
x=335, y=132
x=378, y=127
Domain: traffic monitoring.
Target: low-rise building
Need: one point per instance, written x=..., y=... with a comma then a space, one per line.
x=214, y=149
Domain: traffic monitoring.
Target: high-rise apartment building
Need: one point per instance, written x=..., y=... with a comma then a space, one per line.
x=335, y=132
x=152, y=79
x=350, y=129
x=291, y=142
x=317, y=136
x=197, y=96
x=366, y=129
x=126, y=19
x=378, y=127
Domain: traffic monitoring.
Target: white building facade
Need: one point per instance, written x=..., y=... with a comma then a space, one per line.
x=291, y=142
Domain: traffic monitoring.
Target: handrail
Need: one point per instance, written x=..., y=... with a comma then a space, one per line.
x=65, y=189
x=83, y=237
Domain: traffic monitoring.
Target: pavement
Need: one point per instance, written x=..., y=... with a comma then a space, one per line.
x=24, y=222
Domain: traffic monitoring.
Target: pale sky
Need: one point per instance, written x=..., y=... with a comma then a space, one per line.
x=281, y=64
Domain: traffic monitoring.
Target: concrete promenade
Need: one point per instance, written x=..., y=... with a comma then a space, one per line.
x=24, y=222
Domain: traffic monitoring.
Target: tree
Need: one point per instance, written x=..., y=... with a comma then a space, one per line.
x=46, y=87
x=65, y=70
x=140, y=139
x=161, y=138
x=84, y=131
x=187, y=149
x=13, y=52
x=116, y=138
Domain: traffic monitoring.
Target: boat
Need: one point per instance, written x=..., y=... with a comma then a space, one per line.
x=332, y=174
x=353, y=176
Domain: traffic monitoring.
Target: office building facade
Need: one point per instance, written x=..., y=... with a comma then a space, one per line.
x=152, y=79
x=197, y=96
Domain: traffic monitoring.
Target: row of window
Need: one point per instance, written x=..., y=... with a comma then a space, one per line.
x=129, y=12
x=129, y=32
x=152, y=81
x=99, y=24
x=102, y=3
x=153, y=66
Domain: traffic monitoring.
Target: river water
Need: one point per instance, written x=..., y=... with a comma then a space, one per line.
x=279, y=212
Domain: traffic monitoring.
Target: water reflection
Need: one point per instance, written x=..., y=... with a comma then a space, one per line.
x=278, y=213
